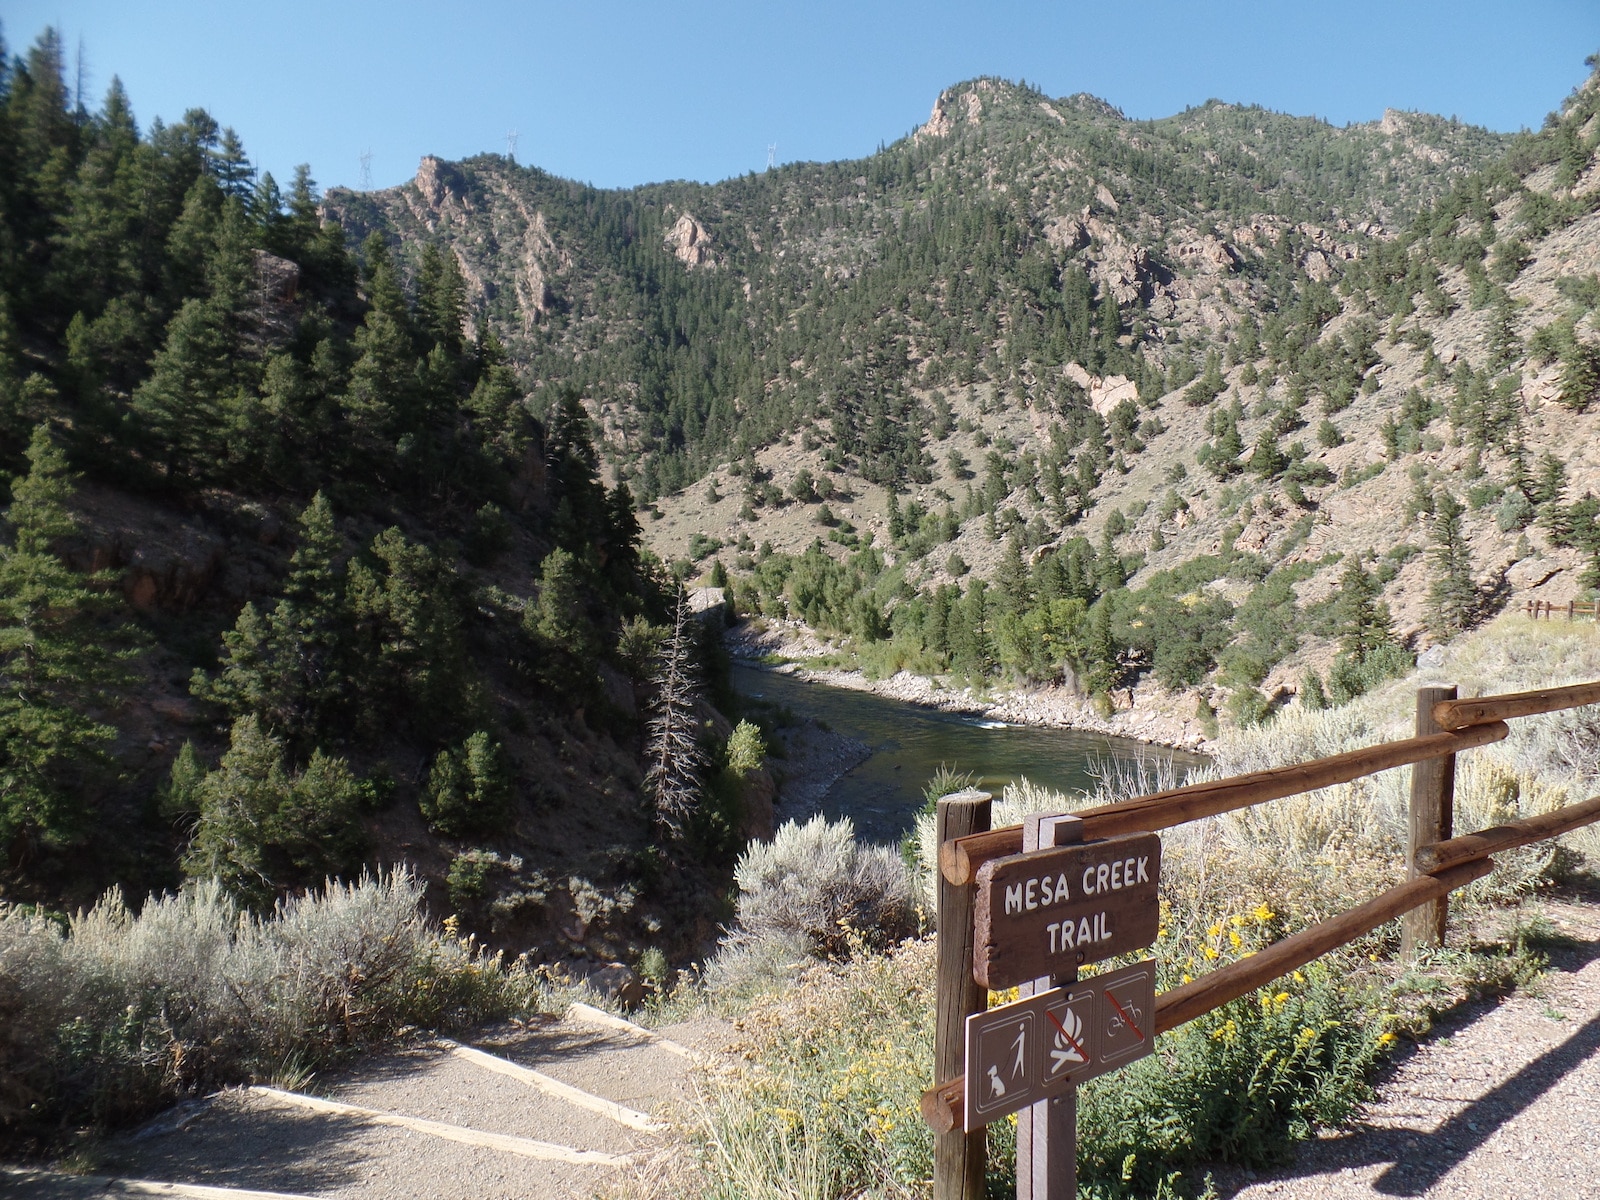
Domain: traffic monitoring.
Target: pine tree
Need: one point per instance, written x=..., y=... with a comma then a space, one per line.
x=559, y=623
x=469, y=789
x=54, y=666
x=232, y=168
x=288, y=668
x=1453, y=594
x=264, y=829
x=383, y=399
x=441, y=298
x=1362, y=621
x=1267, y=459
x=1011, y=577
x=674, y=778
x=497, y=404
x=405, y=606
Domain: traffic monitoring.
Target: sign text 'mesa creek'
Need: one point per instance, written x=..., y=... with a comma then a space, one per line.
x=1045, y=911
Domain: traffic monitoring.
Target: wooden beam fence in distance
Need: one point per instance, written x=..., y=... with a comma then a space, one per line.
x=960, y=859
x=1573, y=608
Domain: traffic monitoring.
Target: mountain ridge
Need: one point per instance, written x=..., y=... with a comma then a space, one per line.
x=1019, y=266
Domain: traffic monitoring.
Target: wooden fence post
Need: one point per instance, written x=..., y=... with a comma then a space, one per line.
x=1433, y=791
x=1047, y=1130
x=959, y=1158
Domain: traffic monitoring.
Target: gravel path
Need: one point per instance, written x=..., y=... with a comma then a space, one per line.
x=1501, y=1103
x=246, y=1139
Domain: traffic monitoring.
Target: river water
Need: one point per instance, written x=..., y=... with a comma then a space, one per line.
x=909, y=743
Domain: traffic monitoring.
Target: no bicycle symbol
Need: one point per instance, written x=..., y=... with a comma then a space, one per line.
x=1039, y=1046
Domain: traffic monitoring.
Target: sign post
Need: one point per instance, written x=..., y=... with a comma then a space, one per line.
x=1047, y=1133
x=1036, y=917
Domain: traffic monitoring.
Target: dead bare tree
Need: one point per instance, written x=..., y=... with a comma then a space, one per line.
x=674, y=781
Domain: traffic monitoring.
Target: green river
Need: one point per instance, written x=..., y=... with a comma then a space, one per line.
x=909, y=743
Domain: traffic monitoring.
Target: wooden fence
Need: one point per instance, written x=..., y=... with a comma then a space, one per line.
x=1573, y=609
x=1437, y=864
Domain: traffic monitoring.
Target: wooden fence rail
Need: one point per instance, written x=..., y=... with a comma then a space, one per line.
x=1573, y=609
x=1438, y=865
x=960, y=859
x=1458, y=714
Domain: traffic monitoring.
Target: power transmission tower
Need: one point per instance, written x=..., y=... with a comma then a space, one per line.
x=511, y=145
x=366, y=170
x=772, y=155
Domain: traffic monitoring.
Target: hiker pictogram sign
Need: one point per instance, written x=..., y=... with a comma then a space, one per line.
x=1042, y=1045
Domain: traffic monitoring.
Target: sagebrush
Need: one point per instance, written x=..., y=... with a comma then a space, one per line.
x=113, y=1013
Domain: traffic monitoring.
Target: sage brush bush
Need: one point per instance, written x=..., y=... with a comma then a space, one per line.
x=815, y=885
x=113, y=1014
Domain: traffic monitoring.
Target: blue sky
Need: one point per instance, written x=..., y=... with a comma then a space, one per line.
x=622, y=93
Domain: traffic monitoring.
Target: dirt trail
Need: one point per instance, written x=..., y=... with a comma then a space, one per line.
x=1502, y=1102
x=431, y=1123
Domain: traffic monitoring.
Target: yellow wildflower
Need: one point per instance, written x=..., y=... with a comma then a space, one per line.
x=1263, y=914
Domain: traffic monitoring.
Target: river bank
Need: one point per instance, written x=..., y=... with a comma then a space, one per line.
x=1146, y=713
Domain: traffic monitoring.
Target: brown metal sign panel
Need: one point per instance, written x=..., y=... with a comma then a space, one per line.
x=1127, y=1015
x=1046, y=911
x=1039, y=1046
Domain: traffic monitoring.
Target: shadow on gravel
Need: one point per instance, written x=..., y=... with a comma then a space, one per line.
x=252, y=1146
x=1417, y=1161
x=1435, y=1154
x=536, y=1045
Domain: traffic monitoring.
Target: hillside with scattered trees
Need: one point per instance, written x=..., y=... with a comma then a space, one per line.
x=344, y=530
x=1199, y=416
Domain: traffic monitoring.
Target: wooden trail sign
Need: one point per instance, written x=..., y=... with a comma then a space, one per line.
x=1045, y=1044
x=1045, y=912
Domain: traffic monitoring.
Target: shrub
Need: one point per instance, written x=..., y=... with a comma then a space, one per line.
x=1350, y=677
x=116, y=1013
x=828, y=1106
x=746, y=749
x=816, y=883
x=1243, y=1084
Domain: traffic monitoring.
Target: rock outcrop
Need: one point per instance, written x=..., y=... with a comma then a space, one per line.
x=690, y=242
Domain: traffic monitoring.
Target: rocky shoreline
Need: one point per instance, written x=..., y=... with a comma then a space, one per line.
x=817, y=758
x=1146, y=713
